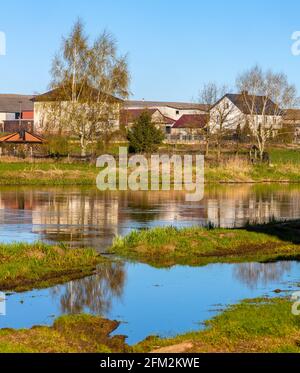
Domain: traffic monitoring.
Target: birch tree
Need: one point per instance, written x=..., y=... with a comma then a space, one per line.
x=88, y=81
x=265, y=96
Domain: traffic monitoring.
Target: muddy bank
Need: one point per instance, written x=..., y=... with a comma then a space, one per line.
x=69, y=334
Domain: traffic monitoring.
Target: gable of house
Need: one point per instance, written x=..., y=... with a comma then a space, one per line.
x=250, y=104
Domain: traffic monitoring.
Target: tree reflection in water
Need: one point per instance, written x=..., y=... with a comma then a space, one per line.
x=94, y=293
x=253, y=274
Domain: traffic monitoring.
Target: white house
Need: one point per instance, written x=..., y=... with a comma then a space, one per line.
x=233, y=110
x=173, y=110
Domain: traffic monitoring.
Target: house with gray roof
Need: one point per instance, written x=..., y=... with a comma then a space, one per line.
x=16, y=112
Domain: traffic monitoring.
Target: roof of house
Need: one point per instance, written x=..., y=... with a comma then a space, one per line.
x=131, y=115
x=192, y=121
x=65, y=94
x=22, y=137
x=174, y=105
x=10, y=103
x=248, y=104
x=292, y=114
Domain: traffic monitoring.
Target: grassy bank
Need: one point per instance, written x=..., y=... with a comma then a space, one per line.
x=28, y=266
x=164, y=247
x=47, y=173
x=259, y=325
x=69, y=334
x=284, y=167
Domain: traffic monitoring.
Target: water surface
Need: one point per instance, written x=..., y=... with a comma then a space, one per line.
x=146, y=300
x=151, y=301
x=87, y=217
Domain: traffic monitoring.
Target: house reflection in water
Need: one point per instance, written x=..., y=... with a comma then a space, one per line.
x=87, y=217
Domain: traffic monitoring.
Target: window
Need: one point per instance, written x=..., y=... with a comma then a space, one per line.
x=177, y=112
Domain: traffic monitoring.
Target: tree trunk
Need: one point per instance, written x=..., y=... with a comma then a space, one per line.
x=83, y=146
x=207, y=148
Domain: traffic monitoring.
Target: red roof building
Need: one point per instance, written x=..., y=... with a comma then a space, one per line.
x=196, y=121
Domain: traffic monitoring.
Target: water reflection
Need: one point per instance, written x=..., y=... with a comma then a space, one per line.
x=255, y=274
x=94, y=293
x=87, y=217
x=151, y=301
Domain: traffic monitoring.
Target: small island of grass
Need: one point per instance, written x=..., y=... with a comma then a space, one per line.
x=166, y=247
x=28, y=266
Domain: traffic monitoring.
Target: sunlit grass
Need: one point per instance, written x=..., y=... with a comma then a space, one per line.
x=259, y=325
x=26, y=266
x=163, y=247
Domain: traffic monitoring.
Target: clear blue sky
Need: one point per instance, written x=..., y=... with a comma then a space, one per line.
x=174, y=46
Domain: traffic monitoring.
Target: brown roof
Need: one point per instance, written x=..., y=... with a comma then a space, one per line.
x=10, y=103
x=22, y=137
x=292, y=114
x=65, y=94
x=192, y=121
x=129, y=116
x=174, y=105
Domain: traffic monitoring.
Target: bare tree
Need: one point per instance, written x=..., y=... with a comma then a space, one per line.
x=208, y=95
x=221, y=118
x=88, y=82
x=265, y=96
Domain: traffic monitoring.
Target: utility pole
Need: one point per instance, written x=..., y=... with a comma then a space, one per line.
x=20, y=115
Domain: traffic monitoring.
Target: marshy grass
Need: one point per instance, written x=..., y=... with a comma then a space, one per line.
x=27, y=266
x=165, y=247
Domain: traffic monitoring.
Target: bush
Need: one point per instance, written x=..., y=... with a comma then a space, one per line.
x=144, y=137
x=57, y=145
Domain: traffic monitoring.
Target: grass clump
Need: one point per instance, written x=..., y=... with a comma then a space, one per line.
x=27, y=266
x=165, y=247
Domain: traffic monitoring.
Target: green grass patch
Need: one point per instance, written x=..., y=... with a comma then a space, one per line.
x=259, y=325
x=27, y=266
x=165, y=247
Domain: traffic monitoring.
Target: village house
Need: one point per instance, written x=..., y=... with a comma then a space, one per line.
x=16, y=113
x=178, y=120
x=234, y=110
x=51, y=107
x=190, y=127
x=129, y=116
x=292, y=119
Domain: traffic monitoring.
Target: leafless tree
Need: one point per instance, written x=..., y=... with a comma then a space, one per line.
x=208, y=96
x=265, y=96
x=221, y=118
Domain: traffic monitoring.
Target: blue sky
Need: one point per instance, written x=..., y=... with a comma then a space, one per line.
x=174, y=46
